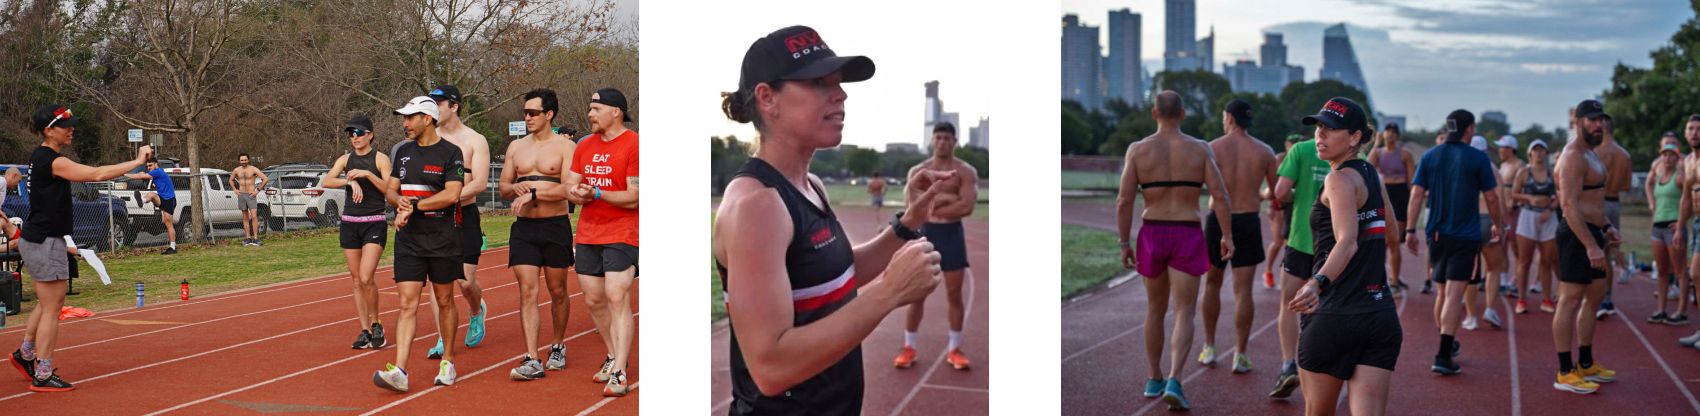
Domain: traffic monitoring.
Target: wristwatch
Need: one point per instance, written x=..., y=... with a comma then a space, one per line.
x=1321, y=282
x=903, y=231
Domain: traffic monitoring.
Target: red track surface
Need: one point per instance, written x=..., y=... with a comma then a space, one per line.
x=288, y=344
x=1506, y=371
x=931, y=386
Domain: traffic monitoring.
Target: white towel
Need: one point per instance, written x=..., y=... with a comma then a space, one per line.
x=94, y=261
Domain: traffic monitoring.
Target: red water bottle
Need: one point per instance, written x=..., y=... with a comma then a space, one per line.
x=185, y=289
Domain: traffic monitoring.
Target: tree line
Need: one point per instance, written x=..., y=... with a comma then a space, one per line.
x=728, y=154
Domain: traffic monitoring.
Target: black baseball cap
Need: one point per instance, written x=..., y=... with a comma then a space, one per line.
x=797, y=53
x=445, y=92
x=1457, y=122
x=613, y=98
x=55, y=115
x=1391, y=126
x=1590, y=109
x=1241, y=111
x=359, y=122
x=1340, y=113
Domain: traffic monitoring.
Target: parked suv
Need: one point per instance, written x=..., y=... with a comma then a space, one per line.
x=97, y=219
x=298, y=195
x=219, y=202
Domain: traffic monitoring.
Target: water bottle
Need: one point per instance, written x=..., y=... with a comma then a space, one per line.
x=2, y=314
x=185, y=289
x=139, y=293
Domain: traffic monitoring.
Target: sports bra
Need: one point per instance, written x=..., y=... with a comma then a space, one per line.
x=1166, y=184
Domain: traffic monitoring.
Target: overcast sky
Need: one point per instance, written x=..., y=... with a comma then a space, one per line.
x=1423, y=59
x=920, y=42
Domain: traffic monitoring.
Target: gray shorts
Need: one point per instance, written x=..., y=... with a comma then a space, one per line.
x=1662, y=233
x=1694, y=237
x=1614, y=214
x=245, y=202
x=46, y=261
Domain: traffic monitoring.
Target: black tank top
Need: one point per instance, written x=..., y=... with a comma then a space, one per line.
x=1362, y=286
x=373, y=200
x=821, y=268
x=50, y=199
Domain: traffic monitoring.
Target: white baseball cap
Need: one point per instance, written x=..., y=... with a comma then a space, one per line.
x=1539, y=142
x=1506, y=141
x=1479, y=142
x=420, y=104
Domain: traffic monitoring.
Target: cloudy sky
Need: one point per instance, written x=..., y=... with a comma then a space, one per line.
x=910, y=44
x=1423, y=59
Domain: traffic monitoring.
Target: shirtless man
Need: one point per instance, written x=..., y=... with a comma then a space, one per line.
x=1169, y=168
x=247, y=198
x=1584, y=235
x=1688, y=227
x=1509, y=165
x=1281, y=217
x=1618, y=180
x=876, y=192
x=476, y=152
x=945, y=231
x=1246, y=165
x=542, y=236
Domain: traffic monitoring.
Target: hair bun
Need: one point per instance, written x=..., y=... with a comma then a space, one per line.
x=733, y=106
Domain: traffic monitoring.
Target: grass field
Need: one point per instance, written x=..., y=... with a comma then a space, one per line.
x=225, y=267
x=1090, y=180
x=1090, y=256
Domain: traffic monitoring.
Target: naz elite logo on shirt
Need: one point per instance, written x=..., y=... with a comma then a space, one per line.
x=802, y=44
x=434, y=169
x=822, y=238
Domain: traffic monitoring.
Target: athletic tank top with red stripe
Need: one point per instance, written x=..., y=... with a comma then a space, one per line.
x=1362, y=286
x=820, y=266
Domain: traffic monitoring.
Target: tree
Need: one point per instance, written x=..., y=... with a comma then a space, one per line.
x=1268, y=115
x=1492, y=129
x=861, y=161
x=1134, y=128
x=1076, y=134
x=1645, y=102
x=1198, y=89
x=1306, y=99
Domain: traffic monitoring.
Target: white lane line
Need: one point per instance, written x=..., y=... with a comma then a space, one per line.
x=718, y=407
x=1195, y=373
x=225, y=348
x=215, y=320
x=1106, y=341
x=599, y=405
x=957, y=388
x=482, y=371
x=232, y=295
x=417, y=339
x=1511, y=341
x=967, y=311
x=1661, y=360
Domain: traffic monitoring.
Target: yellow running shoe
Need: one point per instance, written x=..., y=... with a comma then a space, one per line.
x=1597, y=374
x=1574, y=383
x=1208, y=356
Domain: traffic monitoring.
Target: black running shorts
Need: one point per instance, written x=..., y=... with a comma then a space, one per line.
x=169, y=206
x=948, y=240
x=1298, y=263
x=1337, y=344
x=1573, y=264
x=438, y=270
x=1452, y=259
x=356, y=235
x=472, y=234
x=599, y=259
x=1248, y=240
x=541, y=242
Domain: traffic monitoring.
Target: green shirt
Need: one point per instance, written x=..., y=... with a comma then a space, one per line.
x=1669, y=199
x=1306, y=188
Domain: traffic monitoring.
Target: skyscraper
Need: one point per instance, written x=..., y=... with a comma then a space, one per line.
x=980, y=135
x=1207, y=51
x=1180, y=44
x=1340, y=63
x=1079, y=62
x=1122, y=66
x=1271, y=75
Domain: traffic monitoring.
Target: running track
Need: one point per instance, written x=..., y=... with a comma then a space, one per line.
x=1104, y=366
x=285, y=347
x=931, y=386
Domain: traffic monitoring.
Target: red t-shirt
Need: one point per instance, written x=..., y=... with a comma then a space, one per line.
x=607, y=164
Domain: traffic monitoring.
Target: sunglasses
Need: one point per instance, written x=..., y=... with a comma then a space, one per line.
x=358, y=132
x=533, y=113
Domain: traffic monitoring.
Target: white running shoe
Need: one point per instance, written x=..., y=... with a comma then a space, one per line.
x=1492, y=317
x=445, y=374
x=1534, y=287
x=392, y=378
x=1470, y=323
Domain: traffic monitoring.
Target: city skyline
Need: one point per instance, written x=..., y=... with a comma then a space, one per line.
x=1530, y=61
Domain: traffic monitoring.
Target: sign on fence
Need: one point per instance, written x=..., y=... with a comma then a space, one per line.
x=135, y=135
x=516, y=128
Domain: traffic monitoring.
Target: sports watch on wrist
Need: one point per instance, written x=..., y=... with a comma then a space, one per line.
x=1321, y=282
x=903, y=231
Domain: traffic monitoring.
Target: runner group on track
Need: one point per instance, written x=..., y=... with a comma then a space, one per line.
x=1488, y=226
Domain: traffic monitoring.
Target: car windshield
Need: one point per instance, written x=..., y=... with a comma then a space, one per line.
x=298, y=182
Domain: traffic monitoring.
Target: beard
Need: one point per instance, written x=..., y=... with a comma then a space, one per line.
x=1594, y=138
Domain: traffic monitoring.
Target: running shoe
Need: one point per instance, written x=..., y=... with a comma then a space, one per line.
x=1535, y=287
x=168, y=251
x=1242, y=363
x=436, y=353
x=905, y=358
x=529, y=369
x=607, y=367
x=1457, y=348
x=1492, y=316
x=1153, y=388
x=1446, y=367
x=957, y=359
x=616, y=386
x=1428, y=286
x=558, y=357
x=1548, y=306
x=51, y=384
x=1510, y=292
x=27, y=367
x=258, y=243
x=1657, y=318
x=392, y=378
x=1574, y=383
x=1690, y=340
x=445, y=374
x=1624, y=276
x=1522, y=306
x=1286, y=383
x=1268, y=280
x=364, y=341
x=1671, y=293
x=475, y=331
x=1173, y=395
x=1606, y=309
x=1597, y=373
x=1677, y=320
x=1470, y=323
x=377, y=339
x=1208, y=356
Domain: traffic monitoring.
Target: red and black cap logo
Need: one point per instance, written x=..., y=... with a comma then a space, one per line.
x=797, y=53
